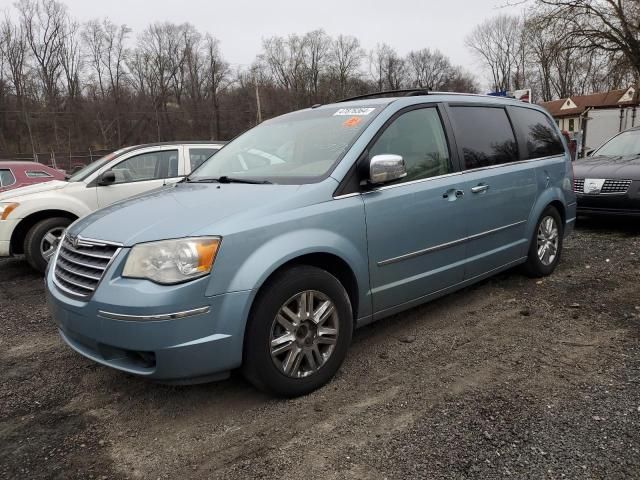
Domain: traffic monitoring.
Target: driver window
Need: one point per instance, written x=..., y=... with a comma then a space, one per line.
x=419, y=138
x=147, y=166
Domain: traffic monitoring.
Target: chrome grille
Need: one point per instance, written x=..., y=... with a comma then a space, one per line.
x=609, y=186
x=578, y=185
x=615, y=186
x=80, y=264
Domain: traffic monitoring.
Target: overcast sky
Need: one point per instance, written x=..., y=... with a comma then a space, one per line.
x=241, y=25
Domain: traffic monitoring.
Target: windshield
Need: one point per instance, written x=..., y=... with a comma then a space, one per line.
x=627, y=143
x=301, y=147
x=84, y=172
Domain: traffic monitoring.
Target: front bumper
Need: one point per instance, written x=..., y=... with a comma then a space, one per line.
x=611, y=203
x=6, y=231
x=196, y=348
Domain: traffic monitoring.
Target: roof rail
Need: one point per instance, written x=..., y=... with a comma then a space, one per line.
x=407, y=92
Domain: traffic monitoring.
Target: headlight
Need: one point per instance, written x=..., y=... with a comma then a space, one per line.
x=172, y=261
x=6, y=209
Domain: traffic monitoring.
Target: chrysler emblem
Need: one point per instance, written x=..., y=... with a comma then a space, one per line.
x=74, y=241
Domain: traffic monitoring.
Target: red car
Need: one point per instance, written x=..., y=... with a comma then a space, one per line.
x=18, y=174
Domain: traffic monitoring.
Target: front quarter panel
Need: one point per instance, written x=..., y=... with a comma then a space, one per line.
x=76, y=199
x=247, y=258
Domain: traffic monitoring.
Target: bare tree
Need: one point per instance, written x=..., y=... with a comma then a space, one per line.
x=345, y=59
x=316, y=49
x=496, y=43
x=93, y=37
x=429, y=69
x=285, y=59
x=218, y=77
x=603, y=25
x=387, y=68
x=13, y=44
x=70, y=57
x=43, y=23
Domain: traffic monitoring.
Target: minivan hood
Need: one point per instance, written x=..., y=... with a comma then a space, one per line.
x=180, y=210
x=622, y=167
x=19, y=192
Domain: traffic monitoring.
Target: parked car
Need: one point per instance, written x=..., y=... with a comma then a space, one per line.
x=19, y=174
x=608, y=181
x=33, y=218
x=306, y=226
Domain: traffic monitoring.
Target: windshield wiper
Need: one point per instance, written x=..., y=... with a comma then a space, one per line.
x=226, y=179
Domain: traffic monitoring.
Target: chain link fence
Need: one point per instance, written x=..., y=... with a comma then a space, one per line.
x=67, y=161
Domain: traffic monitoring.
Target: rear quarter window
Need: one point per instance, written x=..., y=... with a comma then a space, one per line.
x=540, y=136
x=485, y=136
x=6, y=177
x=37, y=174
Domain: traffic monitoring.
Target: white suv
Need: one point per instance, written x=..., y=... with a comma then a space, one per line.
x=33, y=218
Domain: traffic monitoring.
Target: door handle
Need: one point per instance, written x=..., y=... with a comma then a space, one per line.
x=480, y=188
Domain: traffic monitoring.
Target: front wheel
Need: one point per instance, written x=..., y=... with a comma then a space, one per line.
x=546, y=244
x=42, y=241
x=298, y=333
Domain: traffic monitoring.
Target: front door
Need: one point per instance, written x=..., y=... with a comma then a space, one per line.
x=415, y=227
x=141, y=173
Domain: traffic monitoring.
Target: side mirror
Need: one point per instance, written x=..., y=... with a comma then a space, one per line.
x=590, y=152
x=386, y=168
x=107, y=178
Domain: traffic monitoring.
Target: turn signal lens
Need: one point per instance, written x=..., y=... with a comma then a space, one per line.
x=6, y=209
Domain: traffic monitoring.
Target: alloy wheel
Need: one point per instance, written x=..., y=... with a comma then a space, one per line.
x=548, y=240
x=304, y=334
x=50, y=241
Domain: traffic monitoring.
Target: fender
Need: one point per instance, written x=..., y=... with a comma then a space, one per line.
x=270, y=256
x=57, y=201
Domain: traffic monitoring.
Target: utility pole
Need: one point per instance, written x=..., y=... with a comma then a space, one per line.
x=259, y=110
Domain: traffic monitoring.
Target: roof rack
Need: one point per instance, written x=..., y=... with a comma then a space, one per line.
x=407, y=92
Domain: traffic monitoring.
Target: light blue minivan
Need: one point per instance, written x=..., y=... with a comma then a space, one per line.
x=308, y=226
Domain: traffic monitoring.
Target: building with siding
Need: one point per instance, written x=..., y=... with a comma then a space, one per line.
x=593, y=119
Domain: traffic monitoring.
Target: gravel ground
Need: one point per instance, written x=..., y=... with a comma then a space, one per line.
x=511, y=378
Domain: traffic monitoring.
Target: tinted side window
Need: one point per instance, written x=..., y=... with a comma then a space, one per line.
x=6, y=178
x=540, y=135
x=485, y=135
x=37, y=174
x=197, y=156
x=147, y=166
x=419, y=137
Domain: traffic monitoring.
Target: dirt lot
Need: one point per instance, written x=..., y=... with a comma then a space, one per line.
x=510, y=378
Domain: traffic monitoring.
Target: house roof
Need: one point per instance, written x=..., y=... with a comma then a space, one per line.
x=575, y=105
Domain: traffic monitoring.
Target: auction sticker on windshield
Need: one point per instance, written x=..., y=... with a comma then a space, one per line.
x=351, y=122
x=354, y=111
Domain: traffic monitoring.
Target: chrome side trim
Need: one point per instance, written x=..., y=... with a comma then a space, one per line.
x=153, y=318
x=347, y=195
x=442, y=246
x=412, y=182
x=424, y=298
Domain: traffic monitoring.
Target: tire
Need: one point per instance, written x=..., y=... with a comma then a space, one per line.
x=35, y=239
x=535, y=266
x=269, y=372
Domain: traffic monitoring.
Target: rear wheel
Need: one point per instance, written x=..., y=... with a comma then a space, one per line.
x=546, y=244
x=42, y=241
x=298, y=333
